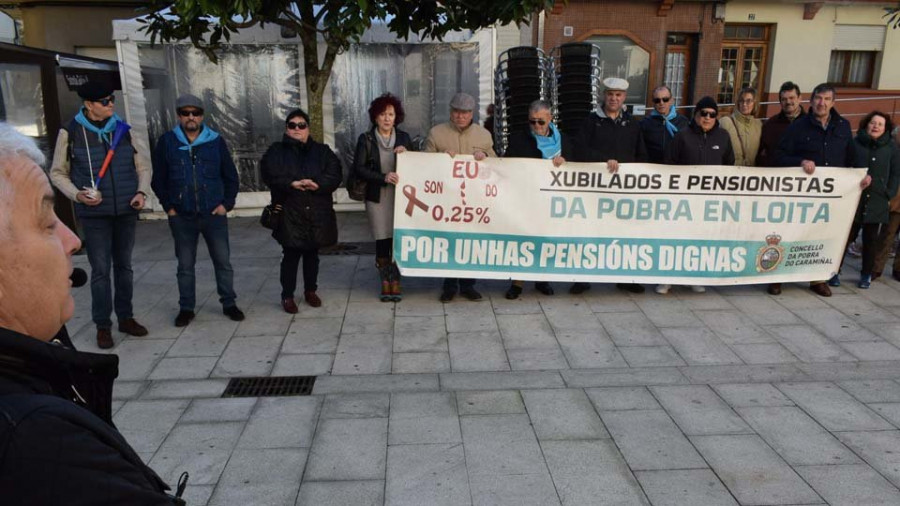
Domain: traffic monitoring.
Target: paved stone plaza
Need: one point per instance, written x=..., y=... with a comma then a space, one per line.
x=729, y=397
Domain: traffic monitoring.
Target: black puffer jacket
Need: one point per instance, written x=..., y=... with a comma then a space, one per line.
x=308, y=220
x=524, y=145
x=367, y=162
x=601, y=139
x=57, y=441
x=693, y=146
x=883, y=160
x=656, y=135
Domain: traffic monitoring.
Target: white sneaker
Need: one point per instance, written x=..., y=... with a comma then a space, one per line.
x=663, y=289
x=698, y=288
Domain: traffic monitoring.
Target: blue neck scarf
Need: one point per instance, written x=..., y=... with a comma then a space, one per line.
x=206, y=135
x=668, y=120
x=105, y=133
x=551, y=145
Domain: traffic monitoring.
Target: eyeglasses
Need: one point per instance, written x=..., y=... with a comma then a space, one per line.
x=708, y=114
x=537, y=122
x=193, y=112
x=664, y=100
x=296, y=126
x=106, y=101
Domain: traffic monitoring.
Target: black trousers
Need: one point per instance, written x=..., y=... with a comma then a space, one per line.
x=290, y=260
x=870, y=233
x=383, y=248
x=457, y=284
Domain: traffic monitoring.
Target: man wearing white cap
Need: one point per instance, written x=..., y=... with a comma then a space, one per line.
x=460, y=136
x=610, y=135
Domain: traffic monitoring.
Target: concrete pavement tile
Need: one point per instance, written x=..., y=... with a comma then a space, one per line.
x=773, y=353
x=126, y=390
x=563, y=414
x=500, y=380
x=862, y=309
x=889, y=411
x=887, y=331
x=219, y=410
x=477, y=351
x=356, y=406
x=500, y=402
x=203, y=436
x=569, y=314
x=623, y=377
x=313, y=364
x=513, y=490
x=420, y=333
x=536, y=359
x=851, y=370
x=185, y=389
x=589, y=349
x=651, y=356
x=872, y=350
x=203, y=465
x=423, y=418
x=698, y=410
x=832, y=407
x=313, y=335
x=649, y=439
x=734, y=327
x=281, y=422
x=752, y=471
x=267, y=319
x=271, y=494
x=432, y=474
x=631, y=329
x=414, y=405
x=585, y=471
x=525, y=304
x=798, y=298
x=526, y=332
x=668, y=312
x=872, y=390
x=711, y=300
x=203, y=339
x=764, y=310
x=420, y=362
x=143, y=356
x=183, y=368
x=855, y=485
x=363, y=354
x=501, y=445
x=835, y=325
x=740, y=395
x=796, y=437
x=697, y=487
x=621, y=398
x=420, y=308
x=468, y=317
x=334, y=302
x=248, y=356
x=376, y=383
x=881, y=449
x=145, y=424
x=609, y=299
x=250, y=476
x=341, y=493
x=348, y=449
x=699, y=346
x=707, y=374
x=197, y=495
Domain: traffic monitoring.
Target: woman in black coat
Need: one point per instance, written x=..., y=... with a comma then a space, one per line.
x=375, y=162
x=302, y=174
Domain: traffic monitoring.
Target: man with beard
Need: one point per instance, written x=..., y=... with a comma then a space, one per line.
x=196, y=182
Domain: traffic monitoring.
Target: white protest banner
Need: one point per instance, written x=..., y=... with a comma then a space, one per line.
x=518, y=218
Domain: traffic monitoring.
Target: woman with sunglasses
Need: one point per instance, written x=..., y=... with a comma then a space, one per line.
x=375, y=162
x=744, y=128
x=301, y=174
x=702, y=143
x=542, y=140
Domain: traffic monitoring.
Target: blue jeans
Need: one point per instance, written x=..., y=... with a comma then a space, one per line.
x=109, y=241
x=186, y=230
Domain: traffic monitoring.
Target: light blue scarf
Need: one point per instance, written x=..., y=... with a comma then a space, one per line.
x=668, y=119
x=105, y=133
x=206, y=135
x=551, y=145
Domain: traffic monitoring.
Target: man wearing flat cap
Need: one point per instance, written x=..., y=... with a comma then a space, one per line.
x=460, y=136
x=610, y=135
x=106, y=203
x=196, y=182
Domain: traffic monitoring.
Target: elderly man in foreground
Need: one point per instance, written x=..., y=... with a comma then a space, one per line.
x=57, y=441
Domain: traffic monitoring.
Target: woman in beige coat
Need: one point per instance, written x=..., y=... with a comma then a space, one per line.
x=745, y=129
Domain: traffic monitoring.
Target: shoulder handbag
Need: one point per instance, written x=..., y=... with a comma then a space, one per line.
x=356, y=186
x=271, y=216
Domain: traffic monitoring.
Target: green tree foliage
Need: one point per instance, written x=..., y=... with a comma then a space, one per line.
x=893, y=16
x=209, y=23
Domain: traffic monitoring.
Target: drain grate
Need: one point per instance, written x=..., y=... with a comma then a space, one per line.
x=270, y=386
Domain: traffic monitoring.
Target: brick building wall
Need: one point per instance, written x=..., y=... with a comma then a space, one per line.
x=645, y=21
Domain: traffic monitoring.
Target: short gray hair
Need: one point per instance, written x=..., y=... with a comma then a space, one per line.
x=660, y=88
x=12, y=144
x=539, y=105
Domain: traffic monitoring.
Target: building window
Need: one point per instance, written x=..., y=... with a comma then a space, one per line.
x=851, y=68
x=622, y=57
x=743, y=60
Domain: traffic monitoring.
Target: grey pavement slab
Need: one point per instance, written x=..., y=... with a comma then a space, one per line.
x=312, y=364
x=752, y=471
x=501, y=445
x=621, y=398
x=585, y=472
x=203, y=339
x=587, y=349
x=356, y=406
x=536, y=359
x=499, y=402
x=248, y=356
x=571, y=314
x=339, y=493
x=852, y=485
x=313, y=335
x=698, y=410
x=500, y=381
x=699, y=346
x=219, y=410
x=433, y=474
x=835, y=325
x=185, y=389
x=734, y=327
x=763, y=310
x=423, y=418
x=376, y=383
x=144, y=354
x=872, y=390
x=668, y=312
x=183, y=368
x=651, y=356
x=526, y=331
x=623, y=377
x=649, y=439
x=872, y=350
x=563, y=414
x=363, y=354
x=348, y=449
x=513, y=490
x=678, y=487
x=890, y=411
x=145, y=424
x=420, y=362
x=740, y=395
x=832, y=407
x=250, y=478
x=773, y=353
x=420, y=334
x=880, y=449
x=477, y=351
x=711, y=374
x=631, y=329
x=851, y=370
x=281, y=422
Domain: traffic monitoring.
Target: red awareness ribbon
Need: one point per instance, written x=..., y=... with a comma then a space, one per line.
x=409, y=191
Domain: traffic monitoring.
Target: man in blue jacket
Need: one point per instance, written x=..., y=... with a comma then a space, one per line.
x=660, y=126
x=196, y=182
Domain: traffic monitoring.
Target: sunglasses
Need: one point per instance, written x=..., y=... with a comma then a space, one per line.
x=296, y=126
x=193, y=112
x=106, y=101
x=664, y=100
x=707, y=114
x=537, y=122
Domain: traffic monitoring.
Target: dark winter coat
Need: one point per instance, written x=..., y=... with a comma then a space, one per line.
x=806, y=139
x=601, y=139
x=308, y=219
x=524, y=145
x=57, y=441
x=882, y=157
x=656, y=135
x=367, y=162
x=772, y=131
x=693, y=146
